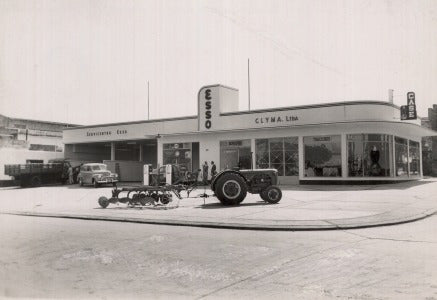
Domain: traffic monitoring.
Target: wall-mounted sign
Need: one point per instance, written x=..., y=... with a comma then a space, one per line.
x=276, y=119
x=208, y=107
x=106, y=132
x=408, y=112
x=322, y=139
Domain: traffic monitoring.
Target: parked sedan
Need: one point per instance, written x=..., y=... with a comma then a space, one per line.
x=96, y=174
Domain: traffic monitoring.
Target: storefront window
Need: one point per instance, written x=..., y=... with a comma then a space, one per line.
x=235, y=154
x=278, y=153
x=322, y=156
x=414, y=159
x=369, y=155
x=178, y=154
x=401, y=154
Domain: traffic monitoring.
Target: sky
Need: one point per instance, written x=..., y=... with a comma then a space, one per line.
x=88, y=61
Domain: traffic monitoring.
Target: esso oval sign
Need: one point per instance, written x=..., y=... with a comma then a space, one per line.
x=208, y=105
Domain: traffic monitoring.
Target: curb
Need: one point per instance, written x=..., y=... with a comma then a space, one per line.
x=330, y=225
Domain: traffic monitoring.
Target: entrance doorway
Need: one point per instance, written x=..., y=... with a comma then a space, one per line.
x=235, y=154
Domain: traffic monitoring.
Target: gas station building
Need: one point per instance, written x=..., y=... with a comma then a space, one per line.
x=341, y=142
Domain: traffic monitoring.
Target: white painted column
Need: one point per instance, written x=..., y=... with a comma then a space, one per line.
x=301, y=158
x=421, y=163
x=252, y=149
x=160, y=153
x=344, y=167
x=393, y=165
x=112, y=151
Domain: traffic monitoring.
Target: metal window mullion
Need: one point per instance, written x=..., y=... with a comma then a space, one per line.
x=283, y=156
x=408, y=157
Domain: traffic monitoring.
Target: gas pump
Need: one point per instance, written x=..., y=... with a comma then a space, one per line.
x=146, y=174
x=168, y=174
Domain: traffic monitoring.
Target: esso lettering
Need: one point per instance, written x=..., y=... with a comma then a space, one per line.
x=208, y=106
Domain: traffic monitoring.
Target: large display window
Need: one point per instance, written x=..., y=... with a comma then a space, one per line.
x=322, y=156
x=278, y=153
x=369, y=155
x=414, y=159
x=179, y=154
x=401, y=154
x=235, y=154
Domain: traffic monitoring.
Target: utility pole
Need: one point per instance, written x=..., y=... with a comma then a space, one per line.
x=248, y=80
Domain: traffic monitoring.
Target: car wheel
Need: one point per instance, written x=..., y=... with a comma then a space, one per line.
x=35, y=181
x=95, y=183
x=272, y=194
x=80, y=181
x=231, y=189
x=103, y=202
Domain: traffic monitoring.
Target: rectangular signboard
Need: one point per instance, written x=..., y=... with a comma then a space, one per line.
x=408, y=112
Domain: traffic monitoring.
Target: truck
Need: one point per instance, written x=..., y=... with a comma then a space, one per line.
x=36, y=174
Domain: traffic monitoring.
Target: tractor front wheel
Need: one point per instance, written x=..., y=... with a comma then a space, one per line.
x=271, y=194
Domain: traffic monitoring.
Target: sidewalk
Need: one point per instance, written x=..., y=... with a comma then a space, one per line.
x=317, y=207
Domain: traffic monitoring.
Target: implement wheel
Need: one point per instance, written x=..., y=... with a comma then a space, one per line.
x=231, y=189
x=103, y=202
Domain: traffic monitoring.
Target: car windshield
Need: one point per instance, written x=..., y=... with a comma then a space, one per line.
x=98, y=168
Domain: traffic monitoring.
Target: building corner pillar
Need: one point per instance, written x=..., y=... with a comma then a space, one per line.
x=344, y=167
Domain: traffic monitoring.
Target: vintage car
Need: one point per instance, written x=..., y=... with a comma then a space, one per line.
x=96, y=174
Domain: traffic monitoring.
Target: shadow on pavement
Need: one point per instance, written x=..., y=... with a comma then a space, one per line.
x=218, y=205
x=356, y=187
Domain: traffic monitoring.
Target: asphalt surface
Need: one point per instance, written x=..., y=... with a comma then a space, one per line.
x=301, y=208
x=67, y=258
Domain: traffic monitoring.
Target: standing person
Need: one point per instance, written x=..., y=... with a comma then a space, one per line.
x=70, y=175
x=205, y=168
x=213, y=170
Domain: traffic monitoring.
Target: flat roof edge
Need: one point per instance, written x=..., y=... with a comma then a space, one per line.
x=344, y=103
x=133, y=122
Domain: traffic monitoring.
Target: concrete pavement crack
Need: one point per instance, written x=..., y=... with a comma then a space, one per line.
x=270, y=272
x=387, y=239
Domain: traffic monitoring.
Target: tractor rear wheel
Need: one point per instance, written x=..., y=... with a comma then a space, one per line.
x=230, y=189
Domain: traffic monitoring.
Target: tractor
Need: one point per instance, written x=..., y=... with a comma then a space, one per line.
x=231, y=186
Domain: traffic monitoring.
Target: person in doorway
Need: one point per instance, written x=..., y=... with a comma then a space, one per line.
x=70, y=175
x=213, y=170
x=205, y=168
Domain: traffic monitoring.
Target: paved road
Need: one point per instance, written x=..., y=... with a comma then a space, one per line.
x=46, y=257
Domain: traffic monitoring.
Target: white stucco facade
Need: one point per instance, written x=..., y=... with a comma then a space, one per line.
x=215, y=124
